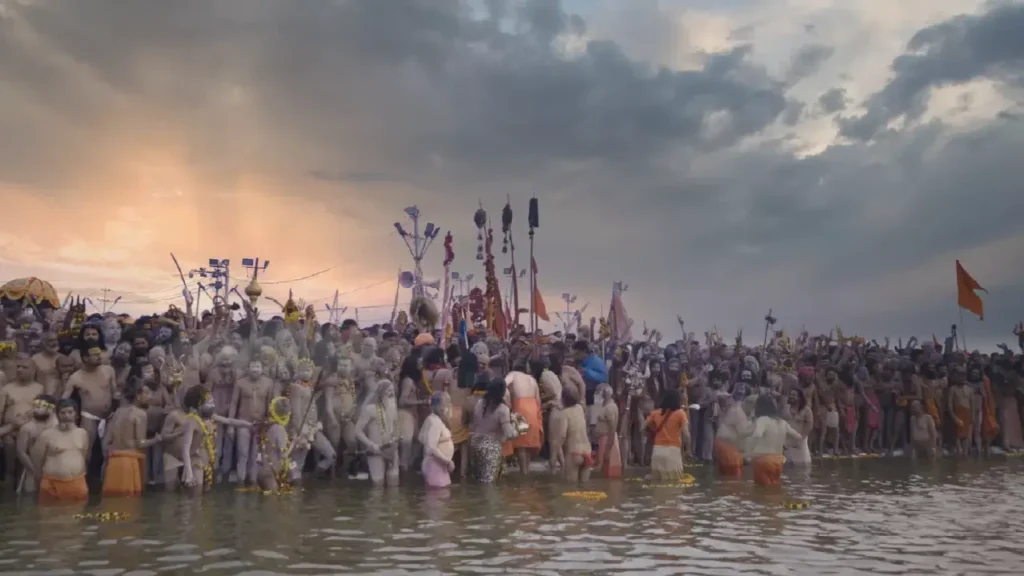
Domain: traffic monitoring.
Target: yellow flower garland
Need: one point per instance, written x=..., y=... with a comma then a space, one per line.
x=211, y=454
x=426, y=383
x=586, y=495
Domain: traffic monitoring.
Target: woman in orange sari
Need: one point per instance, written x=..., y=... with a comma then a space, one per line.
x=669, y=425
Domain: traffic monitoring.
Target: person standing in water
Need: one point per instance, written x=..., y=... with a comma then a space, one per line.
x=125, y=441
x=58, y=455
x=669, y=425
x=438, y=446
x=771, y=433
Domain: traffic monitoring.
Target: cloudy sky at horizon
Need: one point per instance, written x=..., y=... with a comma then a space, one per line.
x=828, y=159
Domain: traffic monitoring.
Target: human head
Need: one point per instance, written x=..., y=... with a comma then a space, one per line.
x=158, y=358
x=369, y=348
x=140, y=343
x=670, y=400
x=433, y=358
x=51, y=343
x=280, y=410
x=43, y=407
x=90, y=335
x=67, y=412
x=441, y=405
x=765, y=406
x=65, y=365
x=255, y=369
x=92, y=357
x=347, y=327
x=581, y=349
x=915, y=408
x=25, y=369
x=495, y=394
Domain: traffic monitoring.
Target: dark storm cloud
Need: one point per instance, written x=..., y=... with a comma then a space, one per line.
x=807, y=61
x=833, y=101
x=636, y=166
x=965, y=48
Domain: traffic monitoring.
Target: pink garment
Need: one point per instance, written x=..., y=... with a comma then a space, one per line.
x=874, y=416
x=435, y=474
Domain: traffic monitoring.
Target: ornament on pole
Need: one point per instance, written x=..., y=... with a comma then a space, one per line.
x=480, y=219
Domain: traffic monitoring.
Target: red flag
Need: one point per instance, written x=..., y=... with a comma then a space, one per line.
x=538, y=301
x=966, y=297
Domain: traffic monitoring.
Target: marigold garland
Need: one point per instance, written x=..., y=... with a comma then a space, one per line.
x=426, y=383
x=211, y=454
x=586, y=495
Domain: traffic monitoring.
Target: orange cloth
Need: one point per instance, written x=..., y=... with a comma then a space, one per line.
x=609, y=456
x=529, y=408
x=669, y=434
x=730, y=460
x=965, y=421
x=989, y=422
x=538, y=301
x=460, y=433
x=768, y=469
x=54, y=490
x=966, y=297
x=933, y=410
x=124, y=473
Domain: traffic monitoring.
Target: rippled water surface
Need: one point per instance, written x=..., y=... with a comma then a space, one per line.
x=866, y=517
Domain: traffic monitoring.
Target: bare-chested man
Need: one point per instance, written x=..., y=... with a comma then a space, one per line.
x=197, y=455
x=46, y=364
x=221, y=386
x=524, y=393
x=340, y=386
x=377, y=431
x=311, y=436
x=58, y=455
x=961, y=409
x=250, y=403
x=125, y=441
x=97, y=389
x=89, y=338
x=16, y=408
x=273, y=459
x=923, y=433
x=43, y=418
x=65, y=368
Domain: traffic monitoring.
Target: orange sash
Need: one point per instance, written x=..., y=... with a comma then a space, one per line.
x=59, y=490
x=989, y=422
x=768, y=469
x=730, y=461
x=529, y=409
x=965, y=421
x=124, y=473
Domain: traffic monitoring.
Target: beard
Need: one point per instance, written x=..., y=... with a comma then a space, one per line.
x=41, y=417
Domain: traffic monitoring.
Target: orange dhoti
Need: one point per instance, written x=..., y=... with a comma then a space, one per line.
x=730, y=460
x=124, y=473
x=768, y=469
x=609, y=458
x=932, y=408
x=529, y=409
x=460, y=433
x=62, y=490
x=964, y=422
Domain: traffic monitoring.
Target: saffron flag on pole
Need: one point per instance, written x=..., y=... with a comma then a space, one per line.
x=966, y=295
x=538, y=301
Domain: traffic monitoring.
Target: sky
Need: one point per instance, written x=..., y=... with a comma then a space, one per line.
x=825, y=159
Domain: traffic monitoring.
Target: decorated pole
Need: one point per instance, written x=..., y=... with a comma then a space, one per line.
x=446, y=294
x=534, y=221
x=509, y=246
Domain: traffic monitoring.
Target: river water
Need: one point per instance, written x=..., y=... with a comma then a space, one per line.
x=868, y=516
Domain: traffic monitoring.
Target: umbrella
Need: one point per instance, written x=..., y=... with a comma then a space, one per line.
x=40, y=292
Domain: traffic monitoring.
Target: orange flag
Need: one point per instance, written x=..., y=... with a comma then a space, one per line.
x=966, y=297
x=538, y=301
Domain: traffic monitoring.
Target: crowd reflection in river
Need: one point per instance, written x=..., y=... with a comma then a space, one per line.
x=867, y=516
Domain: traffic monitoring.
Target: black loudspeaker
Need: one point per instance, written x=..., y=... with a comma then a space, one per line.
x=534, y=214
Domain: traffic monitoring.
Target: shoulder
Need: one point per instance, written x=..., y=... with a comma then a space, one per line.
x=107, y=369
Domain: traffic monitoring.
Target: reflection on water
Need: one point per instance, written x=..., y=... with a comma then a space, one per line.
x=866, y=517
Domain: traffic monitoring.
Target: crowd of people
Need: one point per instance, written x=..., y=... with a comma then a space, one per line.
x=185, y=402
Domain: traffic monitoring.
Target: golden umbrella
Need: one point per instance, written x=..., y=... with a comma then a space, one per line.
x=40, y=292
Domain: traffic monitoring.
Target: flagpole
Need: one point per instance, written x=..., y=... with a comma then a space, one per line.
x=963, y=333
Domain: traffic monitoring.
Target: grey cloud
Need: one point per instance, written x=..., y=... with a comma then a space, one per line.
x=807, y=61
x=965, y=48
x=833, y=101
x=636, y=166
